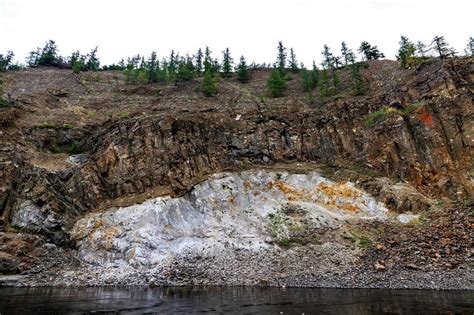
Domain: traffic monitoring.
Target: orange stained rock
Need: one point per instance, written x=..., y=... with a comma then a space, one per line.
x=292, y=193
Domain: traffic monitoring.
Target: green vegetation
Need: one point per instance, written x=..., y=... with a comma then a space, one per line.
x=209, y=87
x=385, y=111
x=360, y=238
x=47, y=125
x=281, y=58
x=370, y=52
x=6, y=61
x=276, y=83
x=73, y=147
x=293, y=62
x=441, y=47
x=227, y=64
x=406, y=52
x=242, y=71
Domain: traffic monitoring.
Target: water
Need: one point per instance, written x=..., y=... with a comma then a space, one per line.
x=231, y=300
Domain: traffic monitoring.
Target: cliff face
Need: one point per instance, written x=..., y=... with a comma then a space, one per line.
x=118, y=145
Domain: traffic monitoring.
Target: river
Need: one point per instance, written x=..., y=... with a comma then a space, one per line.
x=231, y=300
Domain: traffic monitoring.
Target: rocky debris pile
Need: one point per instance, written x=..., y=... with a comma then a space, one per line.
x=441, y=240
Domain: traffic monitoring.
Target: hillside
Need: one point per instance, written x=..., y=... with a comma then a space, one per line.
x=372, y=190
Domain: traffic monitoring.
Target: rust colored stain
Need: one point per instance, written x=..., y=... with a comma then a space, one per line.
x=426, y=117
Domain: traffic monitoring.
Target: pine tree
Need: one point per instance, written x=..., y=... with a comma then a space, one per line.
x=198, y=59
x=324, y=83
x=440, y=45
x=276, y=83
x=357, y=81
x=185, y=69
x=242, y=70
x=209, y=87
x=306, y=81
x=93, y=62
x=469, y=50
x=370, y=52
x=314, y=75
x=421, y=49
x=406, y=52
x=152, y=66
x=5, y=61
x=207, y=60
x=347, y=54
x=172, y=65
x=328, y=59
x=227, y=64
x=281, y=58
x=49, y=55
x=293, y=61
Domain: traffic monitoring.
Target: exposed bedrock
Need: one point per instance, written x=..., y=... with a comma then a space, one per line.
x=130, y=160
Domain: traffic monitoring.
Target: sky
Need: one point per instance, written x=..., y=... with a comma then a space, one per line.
x=122, y=28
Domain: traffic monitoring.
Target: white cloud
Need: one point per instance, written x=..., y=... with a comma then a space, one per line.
x=250, y=27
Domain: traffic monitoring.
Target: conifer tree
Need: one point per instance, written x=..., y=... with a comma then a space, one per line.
x=5, y=61
x=185, y=69
x=198, y=59
x=281, y=58
x=306, y=81
x=293, y=61
x=242, y=70
x=357, y=81
x=227, y=64
x=406, y=52
x=347, y=54
x=421, y=49
x=328, y=58
x=207, y=60
x=370, y=52
x=49, y=54
x=172, y=65
x=276, y=83
x=314, y=75
x=93, y=62
x=152, y=66
x=324, y=83
x=441, y=47
x=209, y=87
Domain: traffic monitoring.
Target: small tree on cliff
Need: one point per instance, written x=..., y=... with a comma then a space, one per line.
x=227, y=64
x=276, y=83
x=93, y=62
x=441, y=47
x=406, y=52
x=198, y=62
x=421, y=49
x=347, y=54
x=209, y=87
x=370, y=52
x=5, y=61
x=328, y=58
x=293, y=61
x=242, y=70
x=281, y=58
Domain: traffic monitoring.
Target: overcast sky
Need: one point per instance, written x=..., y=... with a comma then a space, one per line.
x=123, y=28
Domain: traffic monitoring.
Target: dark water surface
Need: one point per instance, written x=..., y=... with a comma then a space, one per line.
x=234, y=300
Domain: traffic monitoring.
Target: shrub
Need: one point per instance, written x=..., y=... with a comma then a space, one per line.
x=209, y=84
x=276, y=83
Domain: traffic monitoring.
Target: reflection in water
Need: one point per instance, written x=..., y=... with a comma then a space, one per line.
x=238, y=300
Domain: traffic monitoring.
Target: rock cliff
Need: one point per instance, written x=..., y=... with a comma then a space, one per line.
x=74, y=145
